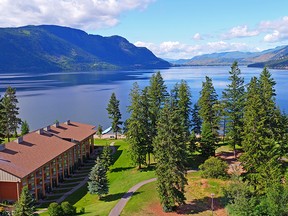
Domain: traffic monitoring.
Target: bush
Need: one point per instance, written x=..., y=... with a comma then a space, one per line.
x=214, y=168
x=68, y=209
x=82, y=210
x=55, y=209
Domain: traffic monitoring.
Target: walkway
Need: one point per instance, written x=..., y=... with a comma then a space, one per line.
x=116, y=211
x=121, y=204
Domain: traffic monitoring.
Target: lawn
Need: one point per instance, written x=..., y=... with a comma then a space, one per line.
x=198, y=203
x=122, y=176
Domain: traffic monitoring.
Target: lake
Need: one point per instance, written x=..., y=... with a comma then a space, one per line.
x=83, y=96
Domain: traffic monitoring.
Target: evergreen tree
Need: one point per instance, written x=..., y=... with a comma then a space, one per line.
x=171, y=156
x=106, y=157
x=114, y=114
x=25, y=205
x=98, y=183
x=234, y=101
x=136, y=127
x=182, y=97
x=99, y=131
x=10, y=120
x=262, y=153
x=208, y=111
x=2, y=126
x=157, y=92
x=196, y=120
x=24, y=128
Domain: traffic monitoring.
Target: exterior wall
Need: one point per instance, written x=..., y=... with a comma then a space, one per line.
x=4, y=176
x=8, y=191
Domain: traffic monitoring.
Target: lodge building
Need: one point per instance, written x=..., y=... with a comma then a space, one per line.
x=43, y=158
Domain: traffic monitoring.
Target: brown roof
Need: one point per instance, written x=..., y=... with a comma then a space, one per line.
x=73, y=130
x=35, y=151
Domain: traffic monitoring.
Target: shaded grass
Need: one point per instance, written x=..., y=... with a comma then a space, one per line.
x=198, y=194
x=122, y=176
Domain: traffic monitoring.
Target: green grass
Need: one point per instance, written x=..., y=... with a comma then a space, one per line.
x=198, y=194
x=122, y=176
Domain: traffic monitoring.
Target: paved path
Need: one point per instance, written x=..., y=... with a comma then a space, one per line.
x=121, y=204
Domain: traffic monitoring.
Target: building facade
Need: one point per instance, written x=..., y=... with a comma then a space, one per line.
x=43, y=158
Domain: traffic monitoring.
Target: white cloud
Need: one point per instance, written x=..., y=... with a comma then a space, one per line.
x=84, y=14
x=240, y=31
x=197, y=36
x=177, y=50
x=277, y=30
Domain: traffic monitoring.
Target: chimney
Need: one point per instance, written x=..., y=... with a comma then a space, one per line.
x=48, y=128
x=67, y=122
x=19, y=140
x=2, y=147
x=40, y=131
x=56, y=124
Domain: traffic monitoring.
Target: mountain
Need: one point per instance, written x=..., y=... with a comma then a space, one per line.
x=272, y=58
x=47, y=48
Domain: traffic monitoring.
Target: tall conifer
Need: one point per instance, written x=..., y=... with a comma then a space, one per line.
x=234, y=102
x=171, y=156
x=114, y=114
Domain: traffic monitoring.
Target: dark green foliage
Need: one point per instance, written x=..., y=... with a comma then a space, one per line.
x=114, y=114
x=234, y=102
x=25, y=205
x=171, y=157
x=262, y=151
x=209, y=113
x=106, y=157
x=137, y=126
x=196, y=120
x=99, y=131
x=24, y=128
x=82, y=210
x=54, y=209
x=157, y=92
x=10, y=112
x=214, y=168
x=182, y=96
x=68, y=209
x=98, y=182
x=2, y=125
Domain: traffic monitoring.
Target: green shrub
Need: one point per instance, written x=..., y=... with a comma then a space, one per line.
x=214, y=168
x=68, y=209
x=82, y=210
x=55, y=209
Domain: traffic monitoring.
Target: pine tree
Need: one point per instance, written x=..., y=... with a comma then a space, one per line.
x=98, y=183
x=114, y=114
x=182, y=96
x=106, y=157
x=2, y=126
x=171, y=156
x=10, y=120
x=136, y=127
x=209, y=113
x=25, y=205
x=157, y=92
x=196, y=120
x=233, y=101
x=262, y=153
x=99, y=131
x=24, y=128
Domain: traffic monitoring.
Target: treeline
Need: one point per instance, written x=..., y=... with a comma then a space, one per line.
x=167, y=125
x=9, y=120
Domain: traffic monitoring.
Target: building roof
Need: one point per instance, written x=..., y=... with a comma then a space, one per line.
x=21, y=159
x=37, y=149
x=73, y=130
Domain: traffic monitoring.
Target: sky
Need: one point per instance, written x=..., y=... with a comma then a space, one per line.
x=171, y=29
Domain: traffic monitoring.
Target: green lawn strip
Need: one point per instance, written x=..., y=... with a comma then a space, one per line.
x=198, y=191
x=122, y=176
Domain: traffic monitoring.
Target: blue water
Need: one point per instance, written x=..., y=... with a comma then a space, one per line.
x=83, y=96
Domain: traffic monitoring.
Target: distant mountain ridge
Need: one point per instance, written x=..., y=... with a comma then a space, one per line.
x=272, y=58
x=55, y=48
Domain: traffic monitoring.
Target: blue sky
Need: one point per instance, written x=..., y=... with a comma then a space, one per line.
x=170, y=28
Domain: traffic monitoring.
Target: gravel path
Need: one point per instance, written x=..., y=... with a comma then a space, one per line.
x=121, y=204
